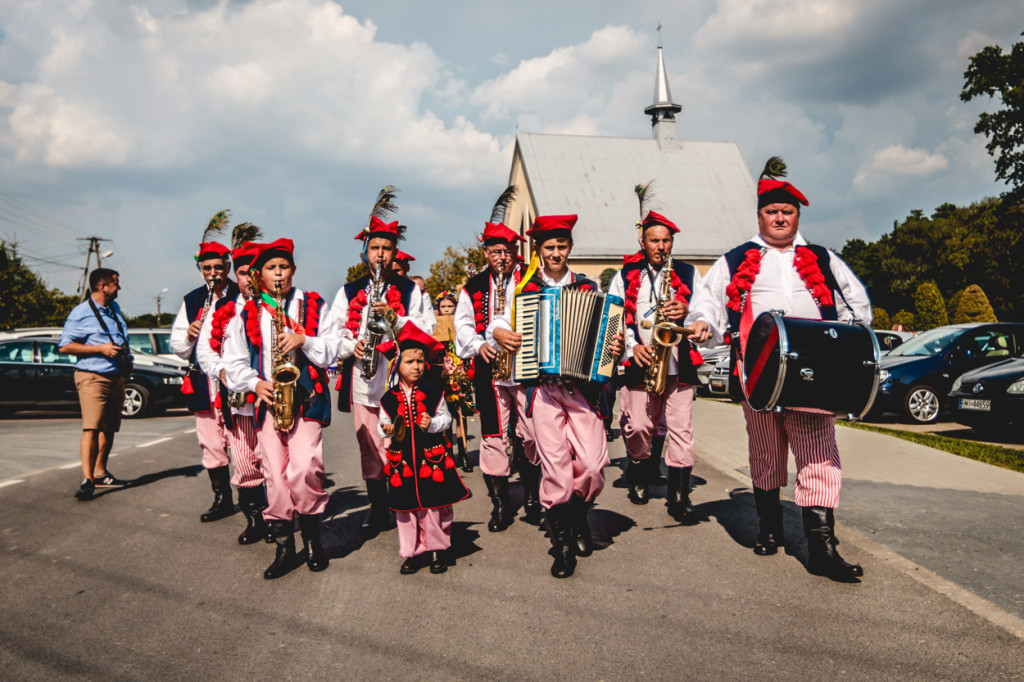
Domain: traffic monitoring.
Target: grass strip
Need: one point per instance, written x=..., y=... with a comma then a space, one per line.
x=1006, y=458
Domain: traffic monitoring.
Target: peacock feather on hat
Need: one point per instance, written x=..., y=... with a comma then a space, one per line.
x=645, y=195
x=245, y=232
x=502, y=204
x=774, y=169
x=217, y=223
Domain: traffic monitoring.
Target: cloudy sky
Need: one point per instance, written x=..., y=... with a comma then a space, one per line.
x=137, y=120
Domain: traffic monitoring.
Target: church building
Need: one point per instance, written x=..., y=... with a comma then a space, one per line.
x=704, y=187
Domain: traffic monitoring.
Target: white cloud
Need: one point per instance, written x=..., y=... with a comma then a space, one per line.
x=892, y=164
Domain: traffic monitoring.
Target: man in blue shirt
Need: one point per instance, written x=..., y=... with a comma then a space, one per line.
x=95, y=332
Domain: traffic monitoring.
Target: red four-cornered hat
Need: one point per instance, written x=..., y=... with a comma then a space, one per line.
x=280, y=248
x=652, y=219
x=245, y=253
x=771, y=191
x=403, y=257
x=499, y=233
x=379, y=228
x=208, y=250
x=549, y=226
x=411, y=336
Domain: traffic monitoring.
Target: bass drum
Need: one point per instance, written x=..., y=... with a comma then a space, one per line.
x=792, y=362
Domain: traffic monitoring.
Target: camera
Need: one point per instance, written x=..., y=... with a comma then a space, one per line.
x=125, y=365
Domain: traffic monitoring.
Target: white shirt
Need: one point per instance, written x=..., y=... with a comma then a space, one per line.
x=211, y=361
x=647, y=307
x=320, y=350
x=778, y=286
x=428, y=311
x=438, y=423
x=368, y=393
x=467, y=341
x=180, y=344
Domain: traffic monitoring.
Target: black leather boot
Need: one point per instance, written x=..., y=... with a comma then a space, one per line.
x=584, y=542
x=223, y=506
x=529, y=474
x=560, y=527
x=636, y=481
x=285, y=559
x=501, y=503
x=822, y=556
x=438, y=562
x=379, y=518
x=309, y=527
x=653, y=462
x=678, y=495
x=769, y=516
x=252, y=502
x=463, y=455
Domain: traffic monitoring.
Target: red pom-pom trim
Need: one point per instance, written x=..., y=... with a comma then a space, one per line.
x=186, y=385
x=424, y=471
x=438, y=476
x=743, y=280
x=219, y=324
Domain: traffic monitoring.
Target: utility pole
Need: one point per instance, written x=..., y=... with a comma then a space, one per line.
x=158, y=296
x=94, y=248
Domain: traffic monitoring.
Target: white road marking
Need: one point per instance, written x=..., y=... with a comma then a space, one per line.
x=154, y=442
x=12, y=482
x=189, y=431
x=70, y=466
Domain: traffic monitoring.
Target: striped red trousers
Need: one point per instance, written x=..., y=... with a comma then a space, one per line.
x=247, y=470
x=812, y=437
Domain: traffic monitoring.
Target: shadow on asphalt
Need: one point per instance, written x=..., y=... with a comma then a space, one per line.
x=340, y=531
x=738, y=517
x=189, y=472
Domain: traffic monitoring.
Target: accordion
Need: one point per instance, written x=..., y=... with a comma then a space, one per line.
x=566, y=333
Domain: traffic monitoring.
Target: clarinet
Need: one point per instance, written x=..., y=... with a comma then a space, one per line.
x=187, y=387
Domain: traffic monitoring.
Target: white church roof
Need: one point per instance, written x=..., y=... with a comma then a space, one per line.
x=703, y=187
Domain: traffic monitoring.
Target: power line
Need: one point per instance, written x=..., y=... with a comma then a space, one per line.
x=39, y=217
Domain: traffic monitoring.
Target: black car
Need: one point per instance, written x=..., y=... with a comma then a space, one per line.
x=916, y=377
x=990, y=399
x=34, y=375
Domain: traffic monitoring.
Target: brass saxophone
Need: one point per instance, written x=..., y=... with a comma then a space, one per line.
x=664, y=337
x=377, y=326
x=284, y=373
x=502, y=365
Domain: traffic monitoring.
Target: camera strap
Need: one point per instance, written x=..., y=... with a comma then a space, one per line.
x=99, y=318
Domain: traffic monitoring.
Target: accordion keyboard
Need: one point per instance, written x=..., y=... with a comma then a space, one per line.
x=526, y=362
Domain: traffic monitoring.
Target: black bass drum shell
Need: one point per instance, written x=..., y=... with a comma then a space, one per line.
x=793, y=362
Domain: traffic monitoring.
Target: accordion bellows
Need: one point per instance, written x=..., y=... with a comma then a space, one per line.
x=566, y=333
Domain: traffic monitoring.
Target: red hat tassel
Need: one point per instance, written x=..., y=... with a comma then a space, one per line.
x=186, y=385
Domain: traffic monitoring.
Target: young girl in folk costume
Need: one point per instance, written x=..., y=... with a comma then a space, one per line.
x=458, y=387
x=283, y=326
x=422, y=480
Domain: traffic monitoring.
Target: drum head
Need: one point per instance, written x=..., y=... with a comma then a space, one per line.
x=762, y=361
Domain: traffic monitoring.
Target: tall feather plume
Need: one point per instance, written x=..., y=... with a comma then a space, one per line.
x=245, y=232
x=502, y=204
x=217, y=223
x=385, y=205
x=645, y=195
x=774, y=169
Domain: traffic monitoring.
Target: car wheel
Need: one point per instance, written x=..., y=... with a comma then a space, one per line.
x=136, y=401
x=922, y=404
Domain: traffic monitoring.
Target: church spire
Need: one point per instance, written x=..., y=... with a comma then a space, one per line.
x=663, y=110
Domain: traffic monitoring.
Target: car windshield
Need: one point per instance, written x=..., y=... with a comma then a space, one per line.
x=163, y=344
x=931, y=342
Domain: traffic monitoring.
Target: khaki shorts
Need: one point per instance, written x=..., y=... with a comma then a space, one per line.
x=102, y=399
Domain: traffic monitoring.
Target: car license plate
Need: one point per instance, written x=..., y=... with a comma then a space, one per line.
x=718, y=384
x=975, y=404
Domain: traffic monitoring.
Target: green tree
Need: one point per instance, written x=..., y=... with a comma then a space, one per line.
x=148, y=320
x=929, y=308
x=26, y=300
x=880, y=319
x=607, y=275
x=991, y=73
x=358, y=270
x=456, y=266
x=904, y=319
x=952, y=303
x=974, y=307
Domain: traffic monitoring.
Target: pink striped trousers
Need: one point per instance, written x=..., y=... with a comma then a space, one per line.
x=245, y=454
x=424, y=530
x=812, y=437
x=371, y=443
x=213, y=438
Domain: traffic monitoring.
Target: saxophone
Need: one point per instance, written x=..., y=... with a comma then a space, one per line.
x=376, y=325
x=502, y=365
x=284, y=373
x=665, y=335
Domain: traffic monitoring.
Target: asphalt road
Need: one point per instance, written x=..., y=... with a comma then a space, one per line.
x=132, y=586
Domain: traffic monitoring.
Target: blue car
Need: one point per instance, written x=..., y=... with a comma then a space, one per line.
x=917, y=376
